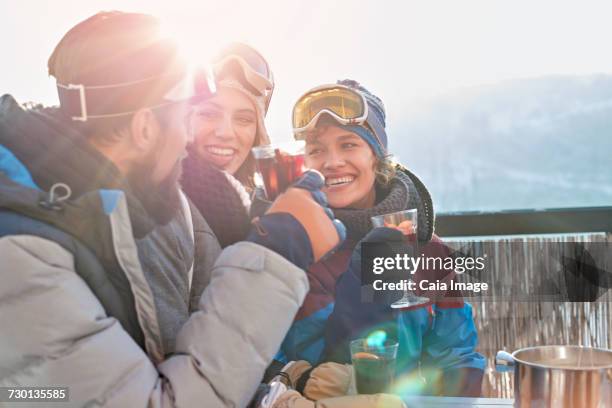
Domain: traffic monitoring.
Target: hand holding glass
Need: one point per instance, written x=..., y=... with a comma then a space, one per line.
x=279, y=166
x=406, y=222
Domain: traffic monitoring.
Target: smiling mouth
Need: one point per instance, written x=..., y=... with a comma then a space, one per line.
x=220, y=151
x=338, y=181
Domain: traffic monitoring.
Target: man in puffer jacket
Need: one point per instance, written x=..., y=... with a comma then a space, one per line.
x=76, y=307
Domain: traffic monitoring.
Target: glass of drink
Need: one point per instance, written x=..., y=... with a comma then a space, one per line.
x=279, y=165
x=406, y=222
x=373, y=364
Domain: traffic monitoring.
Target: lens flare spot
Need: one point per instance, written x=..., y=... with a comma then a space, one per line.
x=377, y=338
x=258, y=180
x=409, y=384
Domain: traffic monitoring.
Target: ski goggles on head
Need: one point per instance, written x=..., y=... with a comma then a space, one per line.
x=250, y=68
x=83, y=102
x=345, y=105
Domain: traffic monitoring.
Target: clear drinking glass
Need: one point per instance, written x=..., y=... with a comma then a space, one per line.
x=373, y=365
x=279, y=165
x=406, y=222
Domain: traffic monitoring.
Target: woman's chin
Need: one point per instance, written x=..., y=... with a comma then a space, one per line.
x=225, y=165
x=231, y=169
x=338, y=201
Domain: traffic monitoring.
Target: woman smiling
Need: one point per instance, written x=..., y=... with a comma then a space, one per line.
x=346, y=161
x=225, y=127
x=346, y=140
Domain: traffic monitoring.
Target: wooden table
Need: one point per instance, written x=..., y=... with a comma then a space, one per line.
x=456, y=402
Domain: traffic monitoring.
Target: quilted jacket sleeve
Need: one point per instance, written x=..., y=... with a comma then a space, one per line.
x=55, y=331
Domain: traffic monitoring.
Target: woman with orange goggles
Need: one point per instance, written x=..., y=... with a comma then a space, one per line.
x=346, y=140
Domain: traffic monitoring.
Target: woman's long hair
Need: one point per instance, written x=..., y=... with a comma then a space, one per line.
x=246, y=172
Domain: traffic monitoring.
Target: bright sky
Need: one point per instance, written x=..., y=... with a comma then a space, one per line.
x=401, y=50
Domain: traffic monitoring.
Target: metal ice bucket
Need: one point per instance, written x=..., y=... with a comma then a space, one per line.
x=559, y=376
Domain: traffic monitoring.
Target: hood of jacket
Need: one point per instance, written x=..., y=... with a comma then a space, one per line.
x=102, y=218
x=53, y=150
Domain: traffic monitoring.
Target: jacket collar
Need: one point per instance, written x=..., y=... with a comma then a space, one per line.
x=53, y=151
x=99, y=218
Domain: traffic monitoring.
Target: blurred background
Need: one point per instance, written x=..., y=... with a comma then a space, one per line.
x=495, y=104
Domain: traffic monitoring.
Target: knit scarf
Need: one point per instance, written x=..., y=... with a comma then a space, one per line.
x=219, y=197
x=405, y=192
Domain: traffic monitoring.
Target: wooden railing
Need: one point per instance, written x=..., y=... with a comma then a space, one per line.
x=507, y=325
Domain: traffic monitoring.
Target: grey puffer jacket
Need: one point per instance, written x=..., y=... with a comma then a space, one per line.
x=60, y=321
x=53, y=150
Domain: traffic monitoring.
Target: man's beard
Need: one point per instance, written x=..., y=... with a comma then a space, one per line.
x=161, y=200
